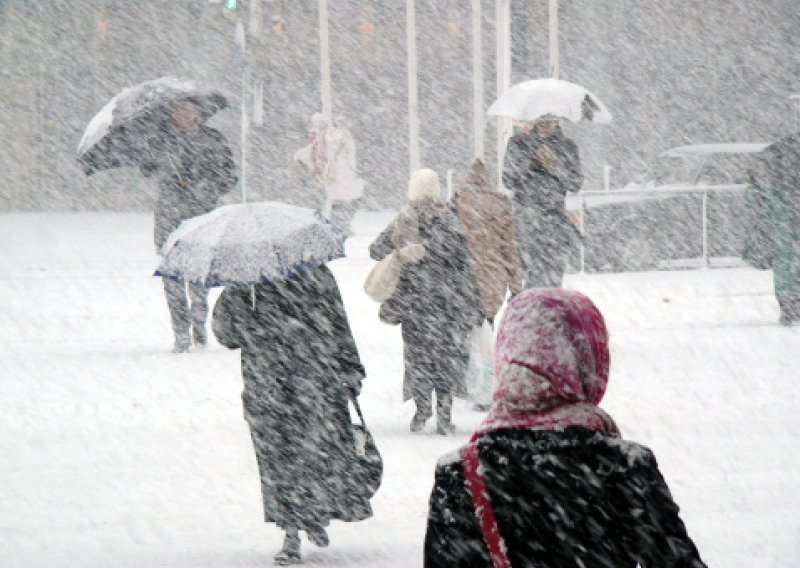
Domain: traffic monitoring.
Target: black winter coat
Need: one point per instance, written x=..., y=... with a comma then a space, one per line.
x=193, y=169
x=561, y=498
x=436, y=301
x=300, y=364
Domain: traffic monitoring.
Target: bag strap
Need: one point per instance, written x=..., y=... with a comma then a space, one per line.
x=358, y=411
x=483, y=507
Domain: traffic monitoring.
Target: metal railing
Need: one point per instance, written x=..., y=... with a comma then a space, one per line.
x=653, y=193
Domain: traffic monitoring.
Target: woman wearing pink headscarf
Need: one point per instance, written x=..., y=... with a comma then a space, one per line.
x=547, y=480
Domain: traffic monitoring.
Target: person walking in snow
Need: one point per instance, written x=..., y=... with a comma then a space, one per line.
x=547, y=480
x=300, y=367
x=436, y=300
x=313, y=156
x=541, y=166
x=776, y=192
x=194, y=167
x=341, y=182
x=488, y=219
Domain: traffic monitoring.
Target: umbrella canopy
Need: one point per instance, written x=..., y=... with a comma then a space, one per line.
x=117, y=136
x=249, y=243
x=532, y=99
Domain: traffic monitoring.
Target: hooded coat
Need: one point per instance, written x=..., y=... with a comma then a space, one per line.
x=563, y=488
x=193, y=170
x=539, y=172
x=300, y=366
x=436, y=299
x=488, y=219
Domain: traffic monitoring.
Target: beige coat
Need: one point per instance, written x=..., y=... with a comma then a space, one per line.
x=488, y=218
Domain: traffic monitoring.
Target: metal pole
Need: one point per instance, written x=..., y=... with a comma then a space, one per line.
x=325, y=59
x=553, y=20
x=583, y=233
x=239, y=38
x=449, y=184
x=413, y=92
x=478, y=120
x=503, y=63
x=705, y=228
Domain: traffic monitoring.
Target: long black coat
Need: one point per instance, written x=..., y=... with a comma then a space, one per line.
x=193, y=170
x=569, y=498
x=436, y=302
x=299, y=362
x=542, y=227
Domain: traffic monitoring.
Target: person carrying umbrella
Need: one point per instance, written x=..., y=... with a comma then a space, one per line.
x=159, y=127
x=193, y=166
x=541, y=166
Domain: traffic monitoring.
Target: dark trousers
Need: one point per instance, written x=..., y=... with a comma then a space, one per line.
x=423, y=398
x=185, y=311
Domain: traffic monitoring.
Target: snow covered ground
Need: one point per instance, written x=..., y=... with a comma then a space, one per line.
x=115, y=452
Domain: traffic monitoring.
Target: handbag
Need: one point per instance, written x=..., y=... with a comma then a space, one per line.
x=483, y=506
x=382, y=279
x=367, y=473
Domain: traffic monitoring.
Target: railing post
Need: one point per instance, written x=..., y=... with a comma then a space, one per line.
x=583, y=232
x=705, y=227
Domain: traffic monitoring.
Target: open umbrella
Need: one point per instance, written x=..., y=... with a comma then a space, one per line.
x=249, y=243
x=532, y=99
x=118, y=135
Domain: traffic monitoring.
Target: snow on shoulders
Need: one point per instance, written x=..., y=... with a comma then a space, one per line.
x=449, y=458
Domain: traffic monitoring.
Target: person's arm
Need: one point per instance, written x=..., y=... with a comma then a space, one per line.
x=453, y=538
x=516, y=163
x=383, y=245
x=226, y=321
x=658, y=531
x=571, y=169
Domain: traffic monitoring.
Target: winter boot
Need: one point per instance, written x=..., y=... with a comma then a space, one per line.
x=318, y=536
x=444, y=410
x=183, y=343
x=290, y=553
x=199, y=334
x=790, y=312
x=418, y=421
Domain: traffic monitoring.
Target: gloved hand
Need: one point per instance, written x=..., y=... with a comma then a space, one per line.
x=411, y=253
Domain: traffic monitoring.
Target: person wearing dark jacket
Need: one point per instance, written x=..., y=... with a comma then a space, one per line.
x=436, y=300
x=547, y=480
x=541, y=165
x=300, y=367
x=194, y=167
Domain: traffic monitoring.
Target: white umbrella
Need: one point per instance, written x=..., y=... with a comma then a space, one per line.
x=249, y=243
x=532, y=99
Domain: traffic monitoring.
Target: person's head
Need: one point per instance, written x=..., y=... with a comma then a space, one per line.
x=552, y=349
x=478, y=178
x=424, y=186
x=185, y=113
x=547, y=125
x=319, y=121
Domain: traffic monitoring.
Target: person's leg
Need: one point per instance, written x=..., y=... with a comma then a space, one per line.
x=175, y=293
x=290, y=553
x=423, y=399
x=199, y=312
x=444, y=410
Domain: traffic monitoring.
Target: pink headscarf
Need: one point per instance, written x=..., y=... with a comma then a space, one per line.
x=552, y=363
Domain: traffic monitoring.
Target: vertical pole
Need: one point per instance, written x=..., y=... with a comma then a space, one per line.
x=325, y=59
x=413, y=92
x=553, y=18
x=503, y=56
x=583, y=233
x=239, y=38
x=478, y=120
x=449, y=195
x=705, y=228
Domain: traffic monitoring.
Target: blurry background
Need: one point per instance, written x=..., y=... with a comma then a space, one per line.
x=672, y=73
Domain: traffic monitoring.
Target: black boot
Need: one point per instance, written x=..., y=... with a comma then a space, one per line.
x=290, y=553
x=444, y=410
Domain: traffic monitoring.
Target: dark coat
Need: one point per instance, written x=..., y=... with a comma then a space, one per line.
x=299, y=365
x=193, y=169
x=569, y=498
x=436, y=301
x=773, y=238
x=539, y=190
